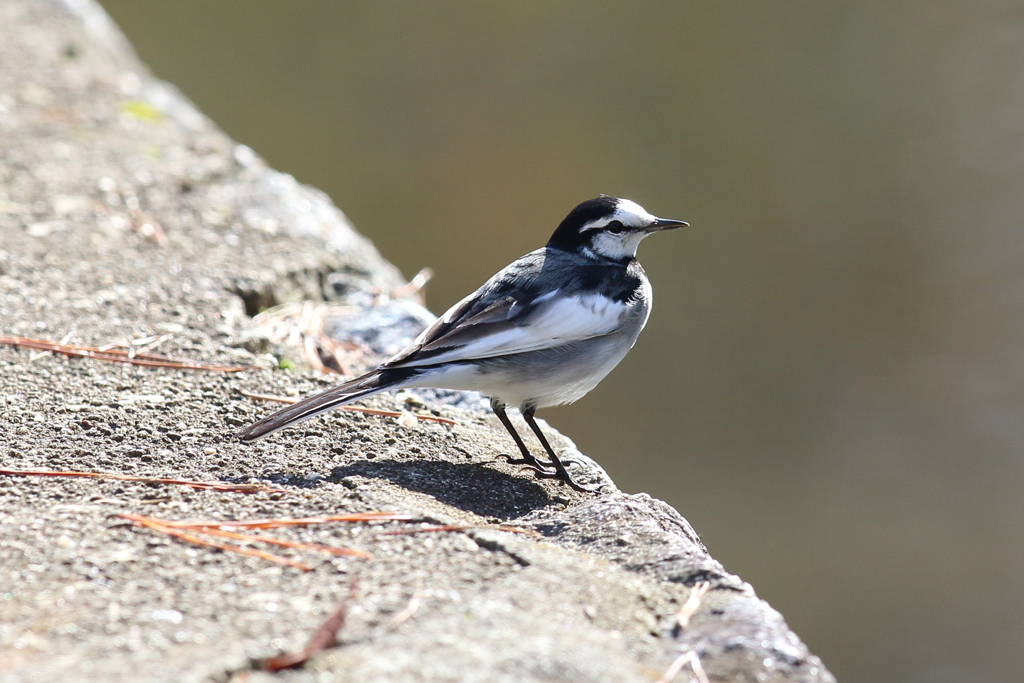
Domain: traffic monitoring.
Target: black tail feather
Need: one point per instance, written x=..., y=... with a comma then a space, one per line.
x=366, y=385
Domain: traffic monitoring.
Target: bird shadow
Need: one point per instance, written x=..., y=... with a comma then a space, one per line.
x=472, y=487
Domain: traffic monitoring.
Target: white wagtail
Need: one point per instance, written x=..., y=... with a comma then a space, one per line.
x=542, y=332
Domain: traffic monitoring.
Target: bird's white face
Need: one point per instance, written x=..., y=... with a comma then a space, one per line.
x=618, y=235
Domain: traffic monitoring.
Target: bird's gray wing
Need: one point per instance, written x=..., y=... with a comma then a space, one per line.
x=513, y=313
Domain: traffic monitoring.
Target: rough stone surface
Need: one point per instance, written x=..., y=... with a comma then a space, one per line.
x=92, y=150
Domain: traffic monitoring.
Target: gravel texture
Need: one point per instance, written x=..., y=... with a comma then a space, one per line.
x=125, y=214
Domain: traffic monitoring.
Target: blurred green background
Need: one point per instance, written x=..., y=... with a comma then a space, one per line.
x=831, y=384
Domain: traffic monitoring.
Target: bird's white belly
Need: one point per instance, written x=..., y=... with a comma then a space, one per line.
x=561, y=383
x=543, y=378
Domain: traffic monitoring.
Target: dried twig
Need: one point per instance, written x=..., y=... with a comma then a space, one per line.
x=414, y=286
x=300, y=521
x=132, y=345
x=692, y=603
x=141, y=222
x=148, y=227
x=354, y=409
x=116, y=355
x=156, y=525
x=325, y=636
x=407, y=613
x=212, y=486
x=301, y=326
x=298, y=545
x=250, y=538
x=691, y=658
x=463, y=527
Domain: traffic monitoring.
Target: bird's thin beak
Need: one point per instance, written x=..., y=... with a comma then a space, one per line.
x=666, y=224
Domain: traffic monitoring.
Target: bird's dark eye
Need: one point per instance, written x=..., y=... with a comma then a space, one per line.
x=615, y=227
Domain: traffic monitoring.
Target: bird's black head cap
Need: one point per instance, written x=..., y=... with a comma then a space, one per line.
x=567, y=236
x=608, y=229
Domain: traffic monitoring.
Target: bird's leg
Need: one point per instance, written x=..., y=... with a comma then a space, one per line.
x=560, y=472
x=528, y=459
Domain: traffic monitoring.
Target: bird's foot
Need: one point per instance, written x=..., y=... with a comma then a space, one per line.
x=564, y=477
x=540, y=471
x=531, y=462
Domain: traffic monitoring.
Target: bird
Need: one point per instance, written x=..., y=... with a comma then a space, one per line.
x=541, y=332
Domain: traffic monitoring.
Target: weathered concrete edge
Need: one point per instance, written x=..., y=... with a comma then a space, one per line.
x=665, y=548
x=320, y=219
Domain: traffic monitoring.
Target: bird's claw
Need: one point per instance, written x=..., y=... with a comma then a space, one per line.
x=566, y=479
x=531, y=462
x=540, y=471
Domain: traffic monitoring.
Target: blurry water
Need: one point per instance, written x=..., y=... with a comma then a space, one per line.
x=831, y=384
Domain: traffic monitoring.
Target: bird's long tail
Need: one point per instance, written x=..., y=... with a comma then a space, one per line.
x=371, y=383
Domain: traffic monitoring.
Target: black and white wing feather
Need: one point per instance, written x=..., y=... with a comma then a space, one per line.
x=510, y=314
